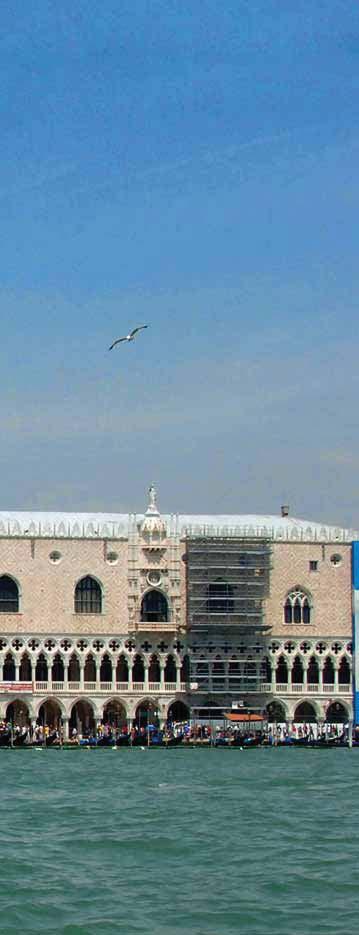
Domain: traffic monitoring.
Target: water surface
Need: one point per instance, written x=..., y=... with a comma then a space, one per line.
x=179, y=842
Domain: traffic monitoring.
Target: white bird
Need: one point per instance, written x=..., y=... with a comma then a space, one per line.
x=128, y=337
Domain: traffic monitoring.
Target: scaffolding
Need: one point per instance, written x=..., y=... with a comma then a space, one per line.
x=227, y=583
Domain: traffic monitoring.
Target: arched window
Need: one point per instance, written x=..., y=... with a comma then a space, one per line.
x=154, y=670
x=41, y=672
x=281, y=672
x=9, y=668
x=154, y=607
x=58, y=671
x=297, y=607
x=313, y=671
x=220, y=597
x=344, y=672
x=9, y=595
x=25, y=669
x=89, y=670
x=297, y=671
x=122, y=669
x=328, y=672
x=170, y=669
x=185, y=669
x=74, y=669
x=88, y=596
x=138, y=670
x=106, y=669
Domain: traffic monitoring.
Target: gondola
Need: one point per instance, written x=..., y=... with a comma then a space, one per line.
x=5, y=738
x=106, y=741
x=172, y=741
x=20, y=739
x=122, y=740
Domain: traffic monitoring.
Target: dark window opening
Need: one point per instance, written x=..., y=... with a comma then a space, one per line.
x=154, y=607
x=88, y=597
x=9, y=595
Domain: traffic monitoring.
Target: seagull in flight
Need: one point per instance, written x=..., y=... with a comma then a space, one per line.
x=128, y=337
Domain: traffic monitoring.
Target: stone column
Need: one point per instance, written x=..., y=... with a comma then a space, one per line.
x=49, y=674
x=130, y=671
x=33, y=671
x=66, y=675
x=273, y=684
x=289, y=676
x=178, y=675
x=114, y=665
x=162, y=675
x=336, y=677
x=320, y=682
x=146, y=667
x=98, y=672
x=65, y=727
x=1, y=670
x=17, y=671
x=82, y=675
x=305, y=677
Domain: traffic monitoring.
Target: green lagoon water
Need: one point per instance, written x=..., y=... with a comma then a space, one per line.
x=179, y=842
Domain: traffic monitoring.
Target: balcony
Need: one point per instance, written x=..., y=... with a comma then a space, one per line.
x=168, y=626
x=103, y=687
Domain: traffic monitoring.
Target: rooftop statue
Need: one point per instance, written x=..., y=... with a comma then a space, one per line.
x=152, y=500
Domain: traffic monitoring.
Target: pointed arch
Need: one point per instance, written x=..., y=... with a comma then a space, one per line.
x=281, y=672
x=122, y=669
x=336, y=713
x=9, y=595
x=90, y=668
x=42, y=670
x=88, y=596
x=298, y=606
x=154, y=606
x=25, y=672
x=297, y=671
x=74, y=668
x=344, y=671
x=9, y=670
x=276, y=711
x=305, y=713
x=170, y=669
x=58, y=668
x=106, y=669
x=138, y=670
x=328, y=671
x=313, y=671
x=154, y=671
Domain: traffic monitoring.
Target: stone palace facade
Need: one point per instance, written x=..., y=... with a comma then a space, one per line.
x=115, y=618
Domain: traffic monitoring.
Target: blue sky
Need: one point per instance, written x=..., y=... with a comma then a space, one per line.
x=192, y=166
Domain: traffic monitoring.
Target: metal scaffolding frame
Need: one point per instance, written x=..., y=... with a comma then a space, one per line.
x=227, y=583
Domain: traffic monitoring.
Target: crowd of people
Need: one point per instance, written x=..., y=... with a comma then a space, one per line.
x=173, y=733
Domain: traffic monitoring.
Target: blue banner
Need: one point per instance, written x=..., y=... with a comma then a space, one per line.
x=355, y=584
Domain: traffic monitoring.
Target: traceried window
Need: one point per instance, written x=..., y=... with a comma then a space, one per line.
x=297, y=608
x=9, y=595
x=88, y=596
x=154, y=607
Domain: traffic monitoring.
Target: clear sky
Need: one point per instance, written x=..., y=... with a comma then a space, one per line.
x=193, y=166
